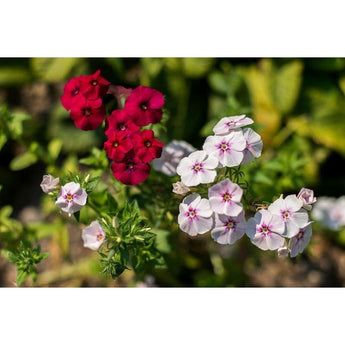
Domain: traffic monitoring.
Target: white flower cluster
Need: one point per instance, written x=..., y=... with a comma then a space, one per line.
x=330, y=212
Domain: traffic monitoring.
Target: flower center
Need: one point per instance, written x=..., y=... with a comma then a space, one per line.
x=265, y=229
x=69, y=197
x=130, y=165
x=147, y=143
x=227, y=196
x=75, y=91
x=300, y=235
x=116, y=144
x=197, y=167
x=191, y=214
x=230, y=225
x=231, y=123
x=94, y=82
x=143, y=106
x=285, y=215
x=121, y=126
x=99, y=237
x=87, y=111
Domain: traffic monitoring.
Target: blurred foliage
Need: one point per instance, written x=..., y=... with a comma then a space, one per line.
x=299, y=110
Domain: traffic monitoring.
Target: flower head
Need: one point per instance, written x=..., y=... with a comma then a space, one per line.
x=146, y=146
x=171, y=155
x=93, y=236
x=49, y=183
x=307, y=197
x=228, y=124
x=71, y=197
x=197, y=168
x=253, y=146
x=131, y=170
x=120, y=121
x=144, y=105
x=291, y=214
x=225, y=198
x=195, y=215
x=227, y=149
x=88, y=114
x=117, y=145
x=299, y=242
x=227, y=229
x=94, y=86
x=265, y=230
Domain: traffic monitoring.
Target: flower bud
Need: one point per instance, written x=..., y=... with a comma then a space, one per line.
x=49, y=183
x=180, y=188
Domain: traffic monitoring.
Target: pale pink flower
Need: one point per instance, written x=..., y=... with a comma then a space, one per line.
x=71, y=197
x=227, y=149
x=291, y=214
x=49, y=183
x=307, y=197
x=299, y=242
x=196, y=215
x=197, y=168
x=253, y=147
x=171, y=156
x=225, y=198
x=228, y=124
x=227, y=230
x=93, y=236
x=180, y=188
x=265, y=230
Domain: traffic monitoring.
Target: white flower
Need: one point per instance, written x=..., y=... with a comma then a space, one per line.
x=228, y=124
x=49, y=183
x=307, y=197
x=197, y=168
x=228, y=149
x=299, y=242
x=71, y=197
x=93, y=236
x=227, y=230
x=196, y=216
x=171, y=156
x=291, y=214
x=265, y=230
x=253, y=147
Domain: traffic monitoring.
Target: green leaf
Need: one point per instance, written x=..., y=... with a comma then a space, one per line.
x=23, y=161
x=54, y=148
x=162, y=240
x=14, y=75
x=16, y=124
x=21, y=275
x=3, y=139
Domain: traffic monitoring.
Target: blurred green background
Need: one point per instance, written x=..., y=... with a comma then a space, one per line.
x=298, y=106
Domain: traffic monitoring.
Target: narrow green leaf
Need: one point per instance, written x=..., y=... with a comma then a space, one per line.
x=23, y=161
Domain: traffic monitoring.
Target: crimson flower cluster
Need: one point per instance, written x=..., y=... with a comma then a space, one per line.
x=128, y=145
x=83, y=97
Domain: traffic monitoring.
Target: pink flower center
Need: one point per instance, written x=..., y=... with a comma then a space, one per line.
x=231, y=124
x=223, y=146
x=69, y=197
x=99, y=237
x=191, y=213
x=230, y=225
x=285, y=214
x=227, y=196
x=264, y=229
x=198, y=167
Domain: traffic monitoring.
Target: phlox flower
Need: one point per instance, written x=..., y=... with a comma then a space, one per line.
x=49, y=183
x=171, y=155
x=195, y=215
x=93, y=236
x=71, y=93
x=227, y=230
x=299, y=242
x=197, y=168
x=330, y=212
x=228, y=124
x=120, y=121
x=253, y=147
x=265, y=230
x=225, y=198
x=146, y=146
x=94, y=86
x=307, y=197
x=290, y=212
x=71, y=197
x=144, y=105
x=88, y=114
x=131, y=170
x=227, y=149
x=117, y=145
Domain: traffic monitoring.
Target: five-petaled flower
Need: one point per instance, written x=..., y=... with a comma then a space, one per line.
x=94, y=86
x=93, y=236
x=196, y=215
x=197, y=168
x=117, y=145
x=265, y=230
x=146, y=146
x=253, y=146
x=299, y=242
x=225, y=198
x=71, y=198
x=228, y=124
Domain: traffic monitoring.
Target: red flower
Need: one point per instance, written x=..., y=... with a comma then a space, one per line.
x=146, y=147
x=94, y=86
x=117, y=145
x=131, y=171
x=144, y=105
x=71, y=93
x=88, y=114
x=120, y=121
